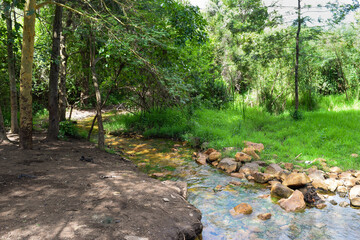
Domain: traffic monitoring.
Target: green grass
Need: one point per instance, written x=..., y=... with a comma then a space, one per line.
x=330, y=132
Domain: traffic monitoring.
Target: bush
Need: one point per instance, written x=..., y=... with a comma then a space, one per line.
x=68, y=129
x=170, y=122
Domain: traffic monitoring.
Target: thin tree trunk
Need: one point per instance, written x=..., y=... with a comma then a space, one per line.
x=297, y=58
x=2, y=128
x=27, y=57
x=11, y=69
x=63, y=70
x=84, y=94
x=93, y=61
x=53, y=130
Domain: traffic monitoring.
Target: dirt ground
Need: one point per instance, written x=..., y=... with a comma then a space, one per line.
x=72, y=190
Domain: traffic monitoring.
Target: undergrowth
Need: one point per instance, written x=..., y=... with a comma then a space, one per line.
x=326, y=133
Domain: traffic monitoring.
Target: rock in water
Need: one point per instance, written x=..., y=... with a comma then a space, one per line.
x=355, y=196
x=242, y=208
x=331, y=184
x=311, y=196
x=264, y=216
x=294, y=203
x=201, y=158
x=281, y=191
x=296, y=180
x=229, y=165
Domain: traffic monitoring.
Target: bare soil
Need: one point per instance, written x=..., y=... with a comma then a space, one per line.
x=72, y=190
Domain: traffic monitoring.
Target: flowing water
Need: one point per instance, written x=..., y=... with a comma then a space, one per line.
x=160, y=156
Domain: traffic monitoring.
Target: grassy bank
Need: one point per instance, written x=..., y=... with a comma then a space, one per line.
x=330, y=132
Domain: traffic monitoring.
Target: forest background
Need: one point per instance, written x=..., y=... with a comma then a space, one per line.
x=234, y=71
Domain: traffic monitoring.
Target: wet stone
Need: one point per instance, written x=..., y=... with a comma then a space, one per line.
x=333, y=202
x=242, y=208
x=264, y=216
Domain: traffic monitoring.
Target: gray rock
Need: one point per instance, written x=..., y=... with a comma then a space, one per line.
x=262, y=177
x=249, y=168
x=273, y=169
x=229, y=165
x=281, y=191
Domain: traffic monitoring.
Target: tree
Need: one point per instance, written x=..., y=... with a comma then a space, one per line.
x=63, y=68
x=297, y=57
x=27, y=57
x=53, y=129
x=11, y=68
x=93, y=62
x=2, y=128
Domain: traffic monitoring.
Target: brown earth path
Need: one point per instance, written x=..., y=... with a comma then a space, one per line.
x=49, y=193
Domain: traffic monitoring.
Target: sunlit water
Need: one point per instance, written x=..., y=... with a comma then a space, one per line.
x=156, y=155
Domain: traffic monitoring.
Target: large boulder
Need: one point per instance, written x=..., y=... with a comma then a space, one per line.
x=242, y=208
x=256, y=146
x=281, y=191
x=249, y=168
x=295, y=180
x=294, y=203
x=242, y=157
x=214, y=156
x=354, y=196
x=229, y=165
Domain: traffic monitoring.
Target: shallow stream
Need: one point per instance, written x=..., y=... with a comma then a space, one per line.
x=160, y=156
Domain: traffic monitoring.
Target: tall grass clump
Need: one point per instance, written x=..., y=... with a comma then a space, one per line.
x=167, y=123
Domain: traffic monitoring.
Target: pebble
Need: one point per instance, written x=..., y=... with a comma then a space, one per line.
x=166, y=200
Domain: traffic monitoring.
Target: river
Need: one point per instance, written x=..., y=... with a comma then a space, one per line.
x=174, y=160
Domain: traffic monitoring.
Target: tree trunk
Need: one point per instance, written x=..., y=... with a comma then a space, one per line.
x=297, y=58
x=11, y=69
x=93, y=61
x=27, y=56
x=53, y=130
x=63, y=71
x=2, y=128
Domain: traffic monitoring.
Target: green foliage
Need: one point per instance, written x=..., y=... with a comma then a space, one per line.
x=68, y=129
x=322, y=133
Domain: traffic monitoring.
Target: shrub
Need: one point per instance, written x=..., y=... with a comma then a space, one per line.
x=68, y=129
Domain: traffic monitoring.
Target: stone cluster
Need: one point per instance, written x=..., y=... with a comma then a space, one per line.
x=296, y=188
